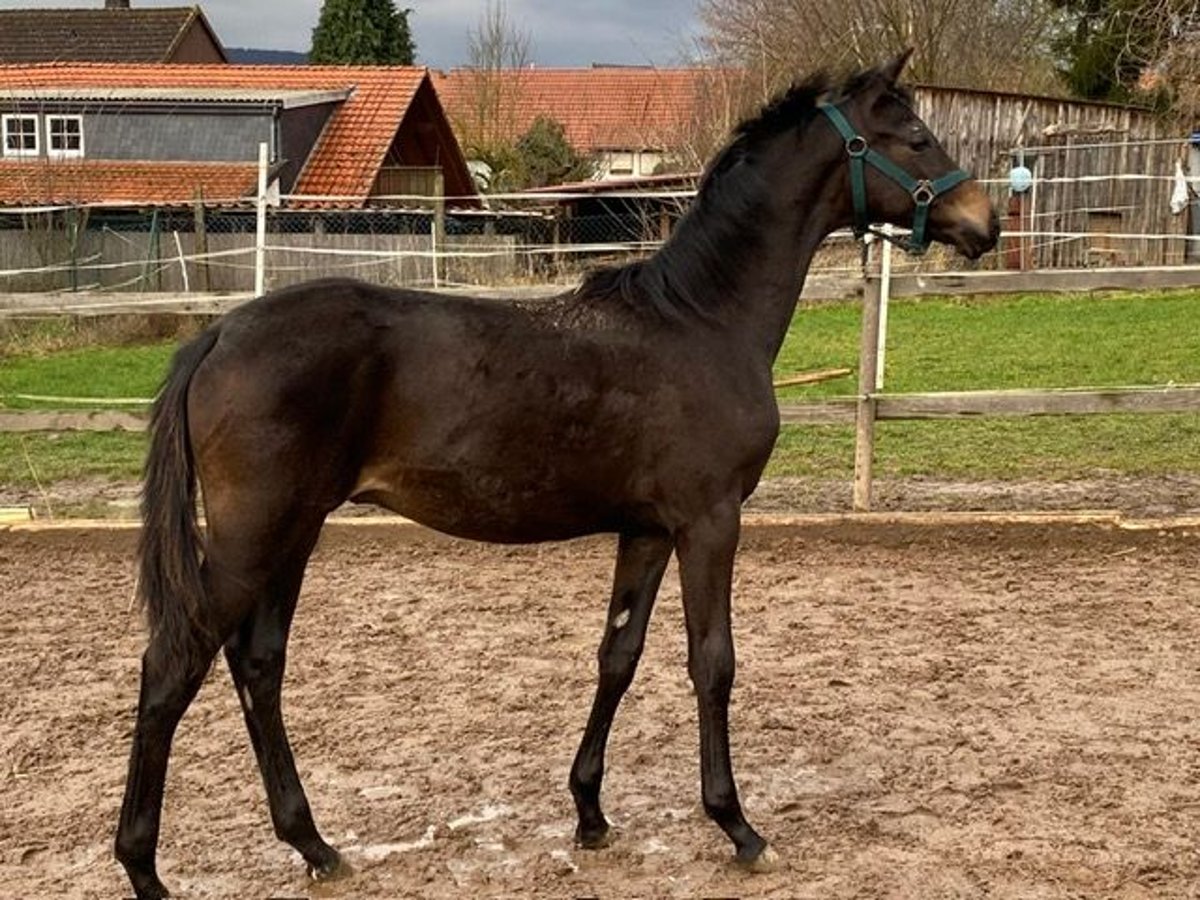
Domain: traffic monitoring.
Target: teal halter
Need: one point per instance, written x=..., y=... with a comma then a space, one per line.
x=923, y=191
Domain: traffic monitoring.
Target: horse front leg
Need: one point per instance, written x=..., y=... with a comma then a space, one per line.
x=256, y=656
x=641, y=561
x=706, y=550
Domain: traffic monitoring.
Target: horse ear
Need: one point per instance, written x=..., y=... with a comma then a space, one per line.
x=891, y=71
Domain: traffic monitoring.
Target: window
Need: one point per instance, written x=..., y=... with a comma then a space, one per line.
x=620, y=164
x=20, y=135
x=64, y=136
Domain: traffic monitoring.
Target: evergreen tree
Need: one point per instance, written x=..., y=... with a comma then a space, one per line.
x=362, y=33
x=544, y=156
x=1107, y=44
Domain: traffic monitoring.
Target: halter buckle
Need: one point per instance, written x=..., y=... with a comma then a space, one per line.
x=923, y=194
x=856, y=146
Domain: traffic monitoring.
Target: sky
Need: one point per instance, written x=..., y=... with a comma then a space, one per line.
x=562, y=32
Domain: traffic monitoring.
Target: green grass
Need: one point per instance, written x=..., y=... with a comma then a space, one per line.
x=1052, y=448
x=1033, y=341
x=100, y=372
x=27, y=460
x=934, y=344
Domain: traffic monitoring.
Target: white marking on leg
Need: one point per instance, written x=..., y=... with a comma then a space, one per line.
x=621, y=619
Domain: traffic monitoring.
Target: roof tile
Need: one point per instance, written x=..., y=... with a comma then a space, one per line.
x=129, y=35
x=79, y=181
x=601, y=108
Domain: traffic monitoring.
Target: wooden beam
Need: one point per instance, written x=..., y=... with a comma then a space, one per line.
x=49, y=420
x=16, y=306
x=1072, y=402
x=812, y=377
x=1045, y=280
x=981, y=404
x=834, y=411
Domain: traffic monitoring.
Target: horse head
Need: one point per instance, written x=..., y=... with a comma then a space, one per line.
x=897, y=172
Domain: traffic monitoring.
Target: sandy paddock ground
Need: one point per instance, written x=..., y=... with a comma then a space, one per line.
x=920, y=712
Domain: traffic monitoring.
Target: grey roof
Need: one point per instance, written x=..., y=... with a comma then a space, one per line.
x=95, y=35
x=288, y=99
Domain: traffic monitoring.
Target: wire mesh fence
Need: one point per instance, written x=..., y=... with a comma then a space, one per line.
x=518, y=239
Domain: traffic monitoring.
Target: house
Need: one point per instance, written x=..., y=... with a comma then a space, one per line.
x=136, y=135
x=114, y=33
x=631, y=120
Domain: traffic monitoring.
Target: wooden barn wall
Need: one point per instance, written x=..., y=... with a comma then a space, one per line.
x=980, y=129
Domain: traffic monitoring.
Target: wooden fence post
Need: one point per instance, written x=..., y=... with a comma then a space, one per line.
x=864, y=437
x=200, y=243
x=439, y=223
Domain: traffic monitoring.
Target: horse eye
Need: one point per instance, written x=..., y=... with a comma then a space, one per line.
x=921, y=142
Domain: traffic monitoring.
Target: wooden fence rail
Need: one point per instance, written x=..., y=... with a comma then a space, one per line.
x=862, y=411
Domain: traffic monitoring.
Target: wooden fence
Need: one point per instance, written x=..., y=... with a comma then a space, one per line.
x=871, y=405
x=865, y=409
x=1099, y=169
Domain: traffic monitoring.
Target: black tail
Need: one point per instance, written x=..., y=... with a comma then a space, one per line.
x=169, y=550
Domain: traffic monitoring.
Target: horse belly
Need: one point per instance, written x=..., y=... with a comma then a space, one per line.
x=489, y=507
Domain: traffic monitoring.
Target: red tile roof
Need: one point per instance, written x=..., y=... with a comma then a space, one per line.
x=348, y=156
x=601, y=108
x=87, y=181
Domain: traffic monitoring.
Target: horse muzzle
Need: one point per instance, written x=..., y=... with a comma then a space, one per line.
x=966, y=219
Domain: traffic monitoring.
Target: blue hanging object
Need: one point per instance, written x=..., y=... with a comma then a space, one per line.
x=1020, y=179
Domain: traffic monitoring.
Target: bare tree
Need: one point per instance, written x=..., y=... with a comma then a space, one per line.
x=999, y=44
x=498, y=52
x=724, y=96
x=1162, y=43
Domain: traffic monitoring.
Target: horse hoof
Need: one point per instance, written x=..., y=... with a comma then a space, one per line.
x=333, y=870
x=148, y=887
x=596, y=839
x=766, y=862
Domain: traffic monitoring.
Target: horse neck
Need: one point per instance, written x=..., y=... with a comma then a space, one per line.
x=747, y=246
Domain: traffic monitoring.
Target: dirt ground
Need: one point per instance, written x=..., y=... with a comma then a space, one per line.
x=1156, y=495
x=920, y=712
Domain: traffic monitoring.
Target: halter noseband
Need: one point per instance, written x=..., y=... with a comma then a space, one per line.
x=923, y=191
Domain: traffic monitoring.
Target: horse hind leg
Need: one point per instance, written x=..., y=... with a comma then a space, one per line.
x=641, y=561
x=171, y=677
x=256, y=655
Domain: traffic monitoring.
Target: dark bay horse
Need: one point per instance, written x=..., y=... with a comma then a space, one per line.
x=640, y=404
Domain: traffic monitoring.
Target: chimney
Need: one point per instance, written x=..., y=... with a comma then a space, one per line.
x=116, y=4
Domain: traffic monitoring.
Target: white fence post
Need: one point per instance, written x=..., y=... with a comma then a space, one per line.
x=260, y=242
x=864, y=432
x=885, y=294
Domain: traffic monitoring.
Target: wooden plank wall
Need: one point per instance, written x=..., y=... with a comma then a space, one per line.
x=981, y=128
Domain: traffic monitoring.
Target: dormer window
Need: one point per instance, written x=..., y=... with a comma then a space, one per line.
x=64, y=135
x=20, y=135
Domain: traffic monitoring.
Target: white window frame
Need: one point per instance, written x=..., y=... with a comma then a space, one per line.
x=62, y=153
x=622, y=163
x=9, y=118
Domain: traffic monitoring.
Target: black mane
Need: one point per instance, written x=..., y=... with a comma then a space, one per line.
x=680, y=281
